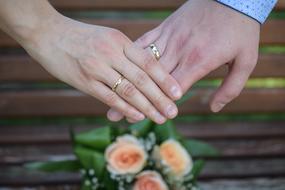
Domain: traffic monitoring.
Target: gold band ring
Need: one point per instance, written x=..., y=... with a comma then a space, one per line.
x=155, y=51
x=117, y=83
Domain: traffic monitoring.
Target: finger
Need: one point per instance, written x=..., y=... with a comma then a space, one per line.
x=147, y=62
x=174, y=48
x=131, y=120
x=167, y=48
x=193, y=67
x=148, y=38
x=147, y=88
x=112, y=78
x=234, y=82
x=114, y=115
x=104, y=94
x=129, y=92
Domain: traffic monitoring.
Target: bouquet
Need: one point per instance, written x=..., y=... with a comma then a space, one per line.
x=144, y=156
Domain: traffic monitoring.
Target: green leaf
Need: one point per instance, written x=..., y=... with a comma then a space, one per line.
x=166, y=131
x=186, y=97
x=91, y=159
x=98, y=139
x=109, y=183
x=200, y=149
x=117, y=131
x=55, y=166
x=197, y=169
x=142, y=128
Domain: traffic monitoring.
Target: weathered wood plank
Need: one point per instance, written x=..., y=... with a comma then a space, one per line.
x=251, y=184
x=272, y=31
x=74, y=103
x=13, y=154
x=21, y=68
x=116, y=5
x=236, y=184
x=214, y=169
x=126, y=4
x=52, y=134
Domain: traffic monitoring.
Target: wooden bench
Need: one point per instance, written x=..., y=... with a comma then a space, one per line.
x=36, y=110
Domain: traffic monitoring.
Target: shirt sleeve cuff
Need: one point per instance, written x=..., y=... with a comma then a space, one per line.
x=256, y=9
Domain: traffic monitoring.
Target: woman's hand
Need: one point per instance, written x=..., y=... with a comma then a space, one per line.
x=92, y=59
x=201, y=36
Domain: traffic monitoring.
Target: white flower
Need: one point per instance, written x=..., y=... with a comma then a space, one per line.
x=173, y=155
x=149, y=180
x=125, y=156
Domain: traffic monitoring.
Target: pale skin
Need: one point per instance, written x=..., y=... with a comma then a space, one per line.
x=199, y=37
x=92, y=58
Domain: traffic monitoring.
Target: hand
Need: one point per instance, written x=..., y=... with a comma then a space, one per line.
x=92, y=58
x=198, y=38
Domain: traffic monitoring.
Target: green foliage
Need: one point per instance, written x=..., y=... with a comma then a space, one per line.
x=198, y=148
x=197, y=169
x=55, y=166
x=186, y=97
x=97, y=139
x=166, y=131
x=141, y=129
x=91, y=159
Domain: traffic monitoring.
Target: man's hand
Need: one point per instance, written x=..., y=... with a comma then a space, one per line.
x=198, y=38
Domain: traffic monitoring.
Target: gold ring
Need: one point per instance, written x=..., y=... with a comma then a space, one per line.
x=155, y=51
x=117, y=83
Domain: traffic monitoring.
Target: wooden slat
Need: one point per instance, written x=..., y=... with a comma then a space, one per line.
x=238, y=148
x=272, y=31
x=74, y=103
x=116, y=5
x=20, y=144
x=21, y=68
x=235, y=184
x=126, y=4
x=52, y=134
x=251, y=184
x=214, y=169
x=280, y=5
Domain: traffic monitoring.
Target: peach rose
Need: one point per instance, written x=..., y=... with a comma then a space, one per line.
x=125, y=156
x=173, y=155
x=150, y=180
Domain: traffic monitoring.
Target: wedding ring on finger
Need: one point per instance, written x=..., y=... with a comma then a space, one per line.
x=117, y=83
x=155, y=51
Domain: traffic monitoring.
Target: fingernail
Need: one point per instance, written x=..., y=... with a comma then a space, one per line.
x=159, y=118
x=171, y=111
x=218, y=106
x=176, y=92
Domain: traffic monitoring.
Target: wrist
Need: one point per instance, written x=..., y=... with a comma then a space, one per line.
x=34, y=20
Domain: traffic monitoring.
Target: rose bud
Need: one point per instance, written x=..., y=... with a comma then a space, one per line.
x=174, y=156
x=150, y=180
x=125, y=156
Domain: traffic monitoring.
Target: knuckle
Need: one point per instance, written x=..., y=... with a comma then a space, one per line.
x=117, y=35
x=111, y=99
x=129, y=90
x=160, y=99
x=141, y=78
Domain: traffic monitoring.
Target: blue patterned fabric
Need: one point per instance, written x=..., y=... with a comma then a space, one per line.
x=256, y=9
